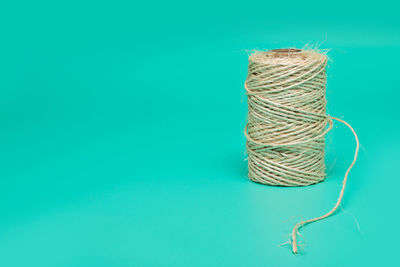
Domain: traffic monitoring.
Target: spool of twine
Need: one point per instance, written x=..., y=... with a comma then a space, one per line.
x=287, y=121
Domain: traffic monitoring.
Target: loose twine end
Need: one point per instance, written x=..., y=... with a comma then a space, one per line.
x=332, y=211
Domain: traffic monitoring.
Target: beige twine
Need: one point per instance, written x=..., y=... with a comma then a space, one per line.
x=287, y=121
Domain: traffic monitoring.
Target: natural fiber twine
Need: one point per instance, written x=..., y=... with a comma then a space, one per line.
x=287, y=121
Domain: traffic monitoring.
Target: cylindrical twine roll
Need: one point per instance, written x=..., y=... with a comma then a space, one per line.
x=287, y=120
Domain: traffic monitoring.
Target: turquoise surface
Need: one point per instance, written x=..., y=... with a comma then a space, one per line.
x=122, y=134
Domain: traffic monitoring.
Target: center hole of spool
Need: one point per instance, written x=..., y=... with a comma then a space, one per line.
x=282, y=52
x=286, y=50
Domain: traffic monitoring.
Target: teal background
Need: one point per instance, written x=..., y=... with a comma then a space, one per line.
x=121, y=134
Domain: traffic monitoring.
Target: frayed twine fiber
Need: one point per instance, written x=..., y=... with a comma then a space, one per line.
x=287, y=121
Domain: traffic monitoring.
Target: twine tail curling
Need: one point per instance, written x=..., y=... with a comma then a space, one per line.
x=332, y=211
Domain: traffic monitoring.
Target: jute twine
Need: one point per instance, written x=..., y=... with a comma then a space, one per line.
x=287, y=121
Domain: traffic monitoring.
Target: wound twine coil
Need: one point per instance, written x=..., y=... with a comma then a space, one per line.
x=287, y=121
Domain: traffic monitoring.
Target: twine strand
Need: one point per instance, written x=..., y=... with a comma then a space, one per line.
x=299, y=225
